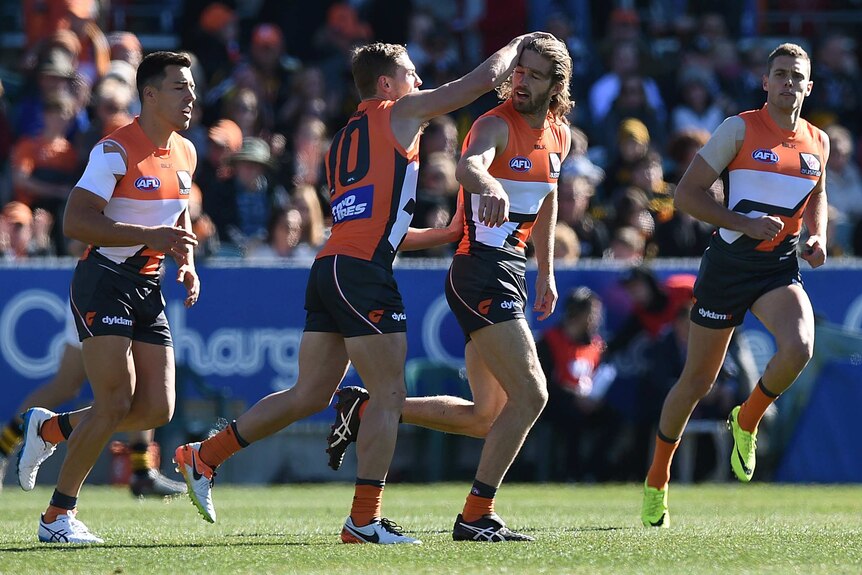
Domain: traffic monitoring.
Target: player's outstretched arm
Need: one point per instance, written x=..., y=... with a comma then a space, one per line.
x=426, y=104
x=425, y=238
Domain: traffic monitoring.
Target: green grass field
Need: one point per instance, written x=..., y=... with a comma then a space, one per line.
x=724, y=529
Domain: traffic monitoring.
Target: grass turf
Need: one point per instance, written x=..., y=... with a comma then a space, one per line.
x=732, y=528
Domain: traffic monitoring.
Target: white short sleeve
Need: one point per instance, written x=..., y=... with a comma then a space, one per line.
x=724, y=144
x=107, y=164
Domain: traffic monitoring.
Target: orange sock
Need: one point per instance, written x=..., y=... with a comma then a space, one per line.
x=51, y=432
x=476, y=507
x=52, y=512
x=659, y=472
x=755, y=406
x=218, y=448
x=367, y=502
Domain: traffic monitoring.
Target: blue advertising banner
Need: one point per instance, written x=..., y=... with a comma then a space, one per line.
x=243, y=336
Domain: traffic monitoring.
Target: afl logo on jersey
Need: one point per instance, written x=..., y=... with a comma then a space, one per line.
x=148, y=183
x=520, y=164
x=765, y=156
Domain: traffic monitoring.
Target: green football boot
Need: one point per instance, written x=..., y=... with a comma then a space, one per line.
x=743, y=457
x=654, y=511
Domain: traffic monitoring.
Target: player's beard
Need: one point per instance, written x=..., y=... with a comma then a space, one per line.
x=536, y=105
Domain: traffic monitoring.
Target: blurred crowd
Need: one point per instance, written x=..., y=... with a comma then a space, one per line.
x=273, y=84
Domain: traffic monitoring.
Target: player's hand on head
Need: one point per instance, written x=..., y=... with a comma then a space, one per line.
x=493, y=208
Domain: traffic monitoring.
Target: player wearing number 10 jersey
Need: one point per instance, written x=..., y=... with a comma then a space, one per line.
x=354, y=310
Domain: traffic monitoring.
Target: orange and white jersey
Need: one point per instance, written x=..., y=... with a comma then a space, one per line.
x=773, y=174
x=372, y=186
x=143, y=184
x=528, y=170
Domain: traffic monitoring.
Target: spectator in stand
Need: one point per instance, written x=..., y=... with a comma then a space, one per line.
x=53, y=76
x=435, y=200
x=243, y=108
x=697, y=108
x=244, y=203
x=215, y=170
x=681, y=150
x=312, y=233
x=655, y=304
x=625, y=61
x=567, y=248
x=633, y=144
x=95, y=56
x=845, y=189
x=630, y=104
x=571, y=354
x=202, y=226
x=309, y=145
x=627, y=245
x=112, y=99
x=216, y=36
x=45, y=167
x=838, y=94
x=273, y=69
x=575, y=189
x=631, y=210
x=125, y=47
x=282, y=236
x=440, y=135
x=23, y=233
x=307, y=96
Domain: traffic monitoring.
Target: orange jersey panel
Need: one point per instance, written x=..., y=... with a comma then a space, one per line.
x=153, y=191
x=372, y=186
x=773, y=173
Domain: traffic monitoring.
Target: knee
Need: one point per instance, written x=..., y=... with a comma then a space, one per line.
x=481, y=423
x=699, y=386
x=113, y=409
x=798, y=350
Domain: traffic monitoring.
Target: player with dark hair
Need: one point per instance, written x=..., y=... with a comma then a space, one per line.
x=131, y=207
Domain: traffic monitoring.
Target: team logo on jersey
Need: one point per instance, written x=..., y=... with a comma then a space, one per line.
x=520, y=164
x=148, y=183
x=809, y=164
x=485, y=306
x=375, y=315
x=354, y=205
x=765, y=156
x=185, y=180
x=555, y=164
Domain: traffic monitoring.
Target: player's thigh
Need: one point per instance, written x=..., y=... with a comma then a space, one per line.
x=707, y=348
x=109, y=364
x=509, y=352
x=787, y=313
x=155, y=374
x=323, y=363
x=489, y=397
x=379, y=360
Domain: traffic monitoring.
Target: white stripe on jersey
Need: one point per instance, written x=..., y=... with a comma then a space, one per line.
x=405, y=195
x=139, y=212
x=524, y=198
x=779, y=190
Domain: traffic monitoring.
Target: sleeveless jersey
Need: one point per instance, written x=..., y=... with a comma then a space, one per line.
x=528, y=170
x=372, y=186
x=143, y=185
x=773, y=174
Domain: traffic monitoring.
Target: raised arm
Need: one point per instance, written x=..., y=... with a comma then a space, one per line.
x=488, y=137
x=426, y=104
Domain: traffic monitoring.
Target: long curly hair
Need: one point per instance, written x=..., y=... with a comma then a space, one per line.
x=555, y=51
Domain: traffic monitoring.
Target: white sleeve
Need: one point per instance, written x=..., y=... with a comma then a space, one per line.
x=106, y=166
x=724, y=144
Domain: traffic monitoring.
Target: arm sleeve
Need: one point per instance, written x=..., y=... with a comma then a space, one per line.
x=103, y=170
x=721, y=148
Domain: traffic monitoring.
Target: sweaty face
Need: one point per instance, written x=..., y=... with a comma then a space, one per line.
x=176, y=97
x=788, y=82
x=531, y=83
